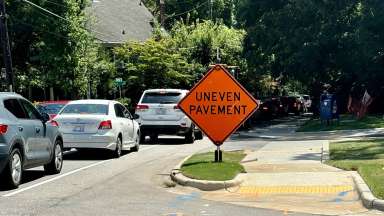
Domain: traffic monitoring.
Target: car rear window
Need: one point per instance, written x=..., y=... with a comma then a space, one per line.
x=94, y=109
x=162, y=98
x=13, y=106
x=306, y=97
x=50, y=108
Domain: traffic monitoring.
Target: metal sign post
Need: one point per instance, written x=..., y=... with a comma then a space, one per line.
x=218, y=154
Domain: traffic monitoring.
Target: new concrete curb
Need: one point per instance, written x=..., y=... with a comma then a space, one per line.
x=368, y=199
x=204, y=185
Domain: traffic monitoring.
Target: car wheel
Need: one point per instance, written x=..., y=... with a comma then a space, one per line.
x=199, y=135
x=117, y=152
x=13, y=171
x=190, y=136
x=142, y=138
x=154, y=138
x=137, y=143
x=55, y=165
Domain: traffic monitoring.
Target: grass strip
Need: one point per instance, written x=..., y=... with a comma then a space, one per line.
x=365, y=156
x=347, y=122
x=202, y=166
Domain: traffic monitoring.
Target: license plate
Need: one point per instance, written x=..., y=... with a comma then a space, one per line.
x=161, y=111
x=79, y=128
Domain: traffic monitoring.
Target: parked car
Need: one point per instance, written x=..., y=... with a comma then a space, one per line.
x=98, y=124
x=268, y=109
x=295, y=105
x=159, y=114
x=27, y=139
x=51, y=107
x=284, y=105
x=307, y=103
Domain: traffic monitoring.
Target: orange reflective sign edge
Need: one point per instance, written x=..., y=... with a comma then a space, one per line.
x=218, y=104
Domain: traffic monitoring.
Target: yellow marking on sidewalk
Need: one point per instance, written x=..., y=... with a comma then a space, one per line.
x=293, y=189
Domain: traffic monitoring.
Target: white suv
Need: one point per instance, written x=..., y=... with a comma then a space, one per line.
x=159, y=114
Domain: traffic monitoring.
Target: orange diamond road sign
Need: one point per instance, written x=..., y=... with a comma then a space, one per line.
x=218, y=104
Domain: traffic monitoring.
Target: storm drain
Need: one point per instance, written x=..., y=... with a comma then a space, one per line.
x=294, y=189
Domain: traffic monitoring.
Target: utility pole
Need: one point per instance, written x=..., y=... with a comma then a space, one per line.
x=6, y=48
x=162, y=17
x=218, y=59
x=210, y=8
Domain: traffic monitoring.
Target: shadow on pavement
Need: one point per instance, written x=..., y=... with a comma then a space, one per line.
x=166, y=141
x=28, y=176
x=89, y=154
x=308, y=156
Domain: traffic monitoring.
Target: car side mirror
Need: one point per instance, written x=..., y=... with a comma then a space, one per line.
x=44, y=117
x=135, y=116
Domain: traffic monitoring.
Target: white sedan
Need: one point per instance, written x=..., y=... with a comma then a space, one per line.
x=98, y=124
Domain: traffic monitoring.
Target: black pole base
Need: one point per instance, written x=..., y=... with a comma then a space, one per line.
x=218, y=156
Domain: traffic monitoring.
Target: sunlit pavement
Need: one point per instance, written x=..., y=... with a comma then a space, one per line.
x=289, y=176
x=138, y=184
x=93, y=184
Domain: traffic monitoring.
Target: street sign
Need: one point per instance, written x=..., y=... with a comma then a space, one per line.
x=119, y=82
x=218, y=104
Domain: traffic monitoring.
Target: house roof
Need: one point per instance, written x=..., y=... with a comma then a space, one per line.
x=117, y=21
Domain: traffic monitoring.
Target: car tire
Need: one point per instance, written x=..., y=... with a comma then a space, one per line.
x=154, y=138
x=56, y=163
x=142, y=138
x=118, y=150
x=190, y=136
x=15, y=163
x=137, y=143
x=199, y=135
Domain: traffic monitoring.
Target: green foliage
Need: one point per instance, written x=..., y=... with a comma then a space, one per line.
x=152, y=64
x=53, y=52
x=191, y=11
x=124, y=101
x=316, y=42
x=200, y=42
x=179, y=59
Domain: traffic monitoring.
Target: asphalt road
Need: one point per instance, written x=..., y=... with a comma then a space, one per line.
x=93, y=184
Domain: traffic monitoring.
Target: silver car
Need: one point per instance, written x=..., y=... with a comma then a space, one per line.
x=27, y=140
x=159, y=114
x=98, y=124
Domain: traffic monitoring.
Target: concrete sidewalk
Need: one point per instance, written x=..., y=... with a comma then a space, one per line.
x=289, y=176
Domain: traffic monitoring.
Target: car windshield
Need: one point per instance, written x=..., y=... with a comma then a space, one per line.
x=162, y=98
x=306, y=97
x=50, y=108
x=94, y=109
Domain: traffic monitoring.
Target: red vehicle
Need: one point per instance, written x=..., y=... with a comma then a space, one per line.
x=52, y=108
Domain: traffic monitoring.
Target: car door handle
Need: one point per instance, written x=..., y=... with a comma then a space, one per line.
x=37, y=130
x=21, y=128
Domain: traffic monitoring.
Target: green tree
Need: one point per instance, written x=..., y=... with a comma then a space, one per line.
x=53, y=52
x=193, y=10
x=315, y=42
x=152, y=64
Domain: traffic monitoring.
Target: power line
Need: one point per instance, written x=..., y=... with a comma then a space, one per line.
x=34, y=27
x=197, y=7
x=56, y=3
x=60, y=17
x=45, y=10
